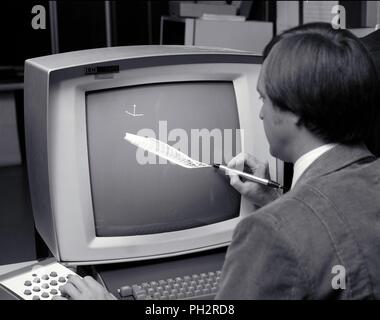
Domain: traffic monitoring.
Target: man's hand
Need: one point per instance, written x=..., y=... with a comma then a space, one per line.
x=258, y=194
x=87, y=288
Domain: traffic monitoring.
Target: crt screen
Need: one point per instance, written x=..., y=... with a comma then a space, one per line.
x=133, y=197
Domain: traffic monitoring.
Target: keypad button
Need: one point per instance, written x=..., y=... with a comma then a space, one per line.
x=27, y=283
x=34, y=275
x=45, y=286
x=54, y=291
x=36, y=280
x=45, y=277
x=45, y=295
x=62, y=279
x=36, y=298
x=36, y=289
x=53, y=274
x=27, y=292
x=53, y=282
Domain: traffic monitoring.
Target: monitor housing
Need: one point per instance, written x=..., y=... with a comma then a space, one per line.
x=57, y=146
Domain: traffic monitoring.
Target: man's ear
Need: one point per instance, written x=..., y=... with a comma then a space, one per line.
x=294, y=118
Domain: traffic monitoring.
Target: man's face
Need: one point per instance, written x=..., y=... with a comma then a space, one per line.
x=276, y=125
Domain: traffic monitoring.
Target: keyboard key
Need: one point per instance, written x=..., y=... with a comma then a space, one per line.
x=27, y=283
x=53, y=283
x=181, y=295
x=45, y=277
x=125, y=291
x=45, y=295
x=182, y=290
x=45, y=286
x=138, y=291
x=174, y=291
x=168, y=287
x=36, y=298
x=36, y=289
x=206, y=291
x=172, y=297
x=60, y=279
x=53, y=274
x=145, y=285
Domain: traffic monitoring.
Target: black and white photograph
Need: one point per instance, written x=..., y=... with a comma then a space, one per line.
x=204, y=152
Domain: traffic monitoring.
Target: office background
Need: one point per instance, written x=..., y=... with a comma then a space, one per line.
x=77, y=25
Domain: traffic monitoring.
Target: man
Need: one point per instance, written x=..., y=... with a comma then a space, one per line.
x=321, y=240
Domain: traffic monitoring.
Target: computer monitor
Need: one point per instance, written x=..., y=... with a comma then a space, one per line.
x=96, y=197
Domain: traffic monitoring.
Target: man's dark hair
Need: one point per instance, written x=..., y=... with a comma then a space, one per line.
x=326, y=77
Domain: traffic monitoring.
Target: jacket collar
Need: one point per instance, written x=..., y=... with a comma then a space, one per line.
x=338, y=157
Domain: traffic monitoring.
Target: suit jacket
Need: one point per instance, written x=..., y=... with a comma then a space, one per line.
x=372, y=43
x=321, y=240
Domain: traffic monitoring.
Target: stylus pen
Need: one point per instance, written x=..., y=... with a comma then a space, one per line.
x=250, y=177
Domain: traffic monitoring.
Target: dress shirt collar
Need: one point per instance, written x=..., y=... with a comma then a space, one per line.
x=307, y=159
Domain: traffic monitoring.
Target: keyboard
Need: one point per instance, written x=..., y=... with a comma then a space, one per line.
x=203, y=286
x=40, y=281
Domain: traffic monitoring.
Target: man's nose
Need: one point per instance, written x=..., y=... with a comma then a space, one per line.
x=261, y=116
